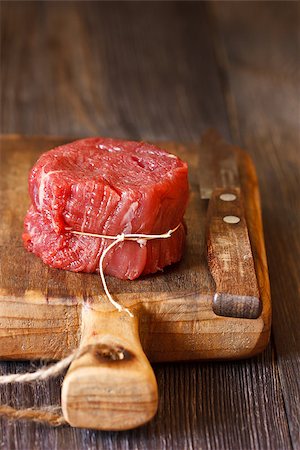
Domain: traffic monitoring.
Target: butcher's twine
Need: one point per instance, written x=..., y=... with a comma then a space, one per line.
x=141, y=239
x=52, y=415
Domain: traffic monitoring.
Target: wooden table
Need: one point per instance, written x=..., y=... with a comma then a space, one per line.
x=169, y=70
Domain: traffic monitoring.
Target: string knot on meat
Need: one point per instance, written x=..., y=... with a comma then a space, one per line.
x=141, y=239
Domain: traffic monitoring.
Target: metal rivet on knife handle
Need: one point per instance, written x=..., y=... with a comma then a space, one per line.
x=231, y=219
x=228, y=197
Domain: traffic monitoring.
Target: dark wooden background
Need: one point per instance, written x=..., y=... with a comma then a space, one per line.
x=169, y=70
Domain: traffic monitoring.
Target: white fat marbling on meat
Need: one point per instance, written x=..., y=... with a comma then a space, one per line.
x=33, y=231
x=128, y=217
x=109, y=149
x=44, y=178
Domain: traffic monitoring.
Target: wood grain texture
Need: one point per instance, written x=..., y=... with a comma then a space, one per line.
x=232, y=265
x=265, y=118
x=150, y=71
x=229, y=253
x=111, y=386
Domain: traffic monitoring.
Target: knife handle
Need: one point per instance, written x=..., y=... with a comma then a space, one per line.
x=230, y=257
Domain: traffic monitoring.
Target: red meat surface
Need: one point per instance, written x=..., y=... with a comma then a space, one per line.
x=106, y=186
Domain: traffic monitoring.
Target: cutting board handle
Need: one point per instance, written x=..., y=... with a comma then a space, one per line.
x=111, y=386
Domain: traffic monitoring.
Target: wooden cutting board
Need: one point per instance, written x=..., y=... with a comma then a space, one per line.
x=46, y=313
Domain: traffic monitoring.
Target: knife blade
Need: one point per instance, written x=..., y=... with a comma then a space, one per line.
x=220, y=168
x=229, y=253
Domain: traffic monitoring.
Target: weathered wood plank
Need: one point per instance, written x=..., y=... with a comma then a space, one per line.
x=194, y=411
x=258, y=53
x=126, y=69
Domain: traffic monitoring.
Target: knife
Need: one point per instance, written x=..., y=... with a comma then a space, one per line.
x=229, y=253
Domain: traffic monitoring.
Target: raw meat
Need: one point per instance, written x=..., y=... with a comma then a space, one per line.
x=106, y=186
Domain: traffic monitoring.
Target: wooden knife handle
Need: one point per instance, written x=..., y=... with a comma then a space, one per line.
x=112, y=385
x=230, y=258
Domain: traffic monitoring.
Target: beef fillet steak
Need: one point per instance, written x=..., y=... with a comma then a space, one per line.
x=106, y=186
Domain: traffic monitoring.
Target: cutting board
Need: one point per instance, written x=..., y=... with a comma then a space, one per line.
x=47, y=313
